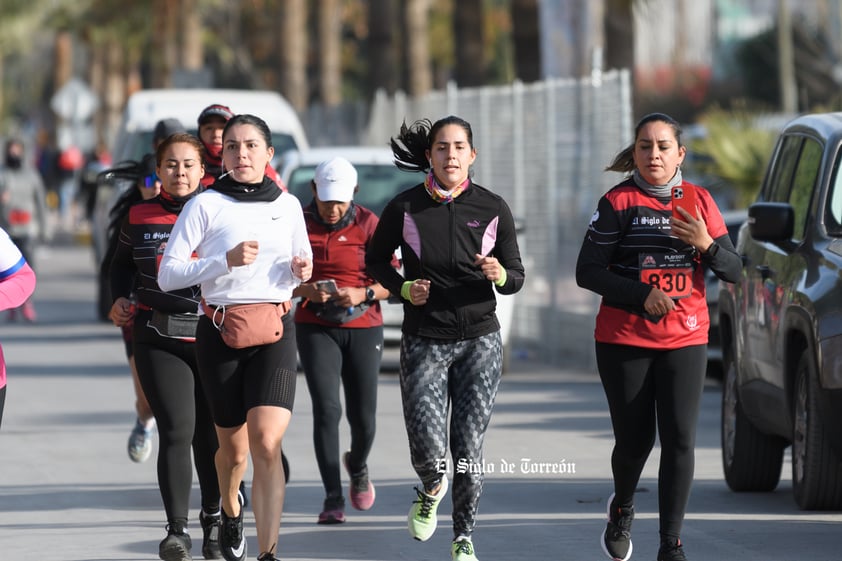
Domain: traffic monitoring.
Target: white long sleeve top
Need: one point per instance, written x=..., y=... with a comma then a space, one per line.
x=211, y=224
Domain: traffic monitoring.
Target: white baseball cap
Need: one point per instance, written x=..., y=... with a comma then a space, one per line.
x=336, y=180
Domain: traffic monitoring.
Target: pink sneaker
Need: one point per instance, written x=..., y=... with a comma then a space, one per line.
x=333, y=511
x=362, y=490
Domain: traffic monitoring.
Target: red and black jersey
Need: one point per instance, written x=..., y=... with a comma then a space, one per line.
x=629, y=232
x=340, y=255
x=134, y=267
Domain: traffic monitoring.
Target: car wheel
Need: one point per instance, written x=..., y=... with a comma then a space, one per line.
x=751, y=460
x=816, y=473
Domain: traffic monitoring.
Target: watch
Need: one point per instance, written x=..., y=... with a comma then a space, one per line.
x=713, y=249
x=369, y=294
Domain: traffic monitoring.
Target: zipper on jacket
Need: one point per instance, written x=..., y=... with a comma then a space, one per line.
x=460, y=317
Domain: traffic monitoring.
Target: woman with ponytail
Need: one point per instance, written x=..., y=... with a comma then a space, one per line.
x=645, y=259
x=458, y=245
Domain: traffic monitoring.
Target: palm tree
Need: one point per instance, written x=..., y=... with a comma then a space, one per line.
x=383, y=54
x=619, y=33
x=330, y=52
x=526, y=39
x=470, y=52
x=293, y=52
x=420, y=76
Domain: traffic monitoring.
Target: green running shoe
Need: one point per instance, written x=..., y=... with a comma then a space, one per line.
x=422, y=520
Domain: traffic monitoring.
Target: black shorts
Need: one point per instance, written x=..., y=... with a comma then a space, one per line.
x=235, y=380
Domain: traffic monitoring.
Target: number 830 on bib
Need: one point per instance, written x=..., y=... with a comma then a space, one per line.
x=672, y=273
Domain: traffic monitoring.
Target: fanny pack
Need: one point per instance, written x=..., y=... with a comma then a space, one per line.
x=177, y=326
x=329, y=311
x=248, y=325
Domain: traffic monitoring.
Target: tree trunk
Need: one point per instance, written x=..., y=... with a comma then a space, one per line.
x=63, y=69
x=96, y=81
x=163, y=56
x=619, y=34
x=114, y=87
x=190, y=24
x=469, y=51
x=293, y=53
x=384, y=67
x=330, y=52
x=420, y=79
x=527, y=40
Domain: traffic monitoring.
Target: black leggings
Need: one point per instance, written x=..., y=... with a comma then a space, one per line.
x=331, y=356
x=645, y=387
x=168, y=374
x=2, y=402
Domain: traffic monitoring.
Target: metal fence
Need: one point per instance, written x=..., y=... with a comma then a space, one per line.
x=543, y=147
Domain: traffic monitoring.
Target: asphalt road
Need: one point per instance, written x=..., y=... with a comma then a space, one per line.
x=69, y=492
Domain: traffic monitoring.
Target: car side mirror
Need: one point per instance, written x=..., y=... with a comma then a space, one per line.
x=771, y=222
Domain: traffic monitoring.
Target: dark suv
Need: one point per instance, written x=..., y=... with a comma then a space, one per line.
x=781, y=324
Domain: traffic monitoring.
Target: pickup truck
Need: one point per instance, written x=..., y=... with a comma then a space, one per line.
x=781, y=323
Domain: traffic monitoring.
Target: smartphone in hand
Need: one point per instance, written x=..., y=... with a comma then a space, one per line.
x=328, y=286
x=683, y=196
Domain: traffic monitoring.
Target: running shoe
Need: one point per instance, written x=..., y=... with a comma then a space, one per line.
x=362, y=490
x=176, y=546
x=232, y=542
x=462, y=550
x=140, y=442
x=671, y=550
x=268, y=555
x=333, y=511
x=616, y=539
x=422, y=520
x=210, y=535
x=242, y=495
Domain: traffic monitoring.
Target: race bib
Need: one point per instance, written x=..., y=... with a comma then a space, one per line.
x=670, y=272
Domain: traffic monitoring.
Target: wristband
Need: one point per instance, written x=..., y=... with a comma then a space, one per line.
x=405, y=291
x=503, y=276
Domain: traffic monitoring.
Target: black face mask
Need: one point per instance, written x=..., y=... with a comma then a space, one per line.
x=13, y=162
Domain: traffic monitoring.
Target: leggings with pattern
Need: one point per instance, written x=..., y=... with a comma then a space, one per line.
x=465, y=374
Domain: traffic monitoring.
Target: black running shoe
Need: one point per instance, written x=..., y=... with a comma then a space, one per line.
x=285, y=464
x=210, y=539
x=231, y=539
x=268, y=555
x=671, y=550
x=616, y=539
x=243, y=495
x=176, y=546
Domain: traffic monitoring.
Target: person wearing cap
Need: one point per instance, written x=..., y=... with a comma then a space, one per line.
x=340, y=334
x=211, y=121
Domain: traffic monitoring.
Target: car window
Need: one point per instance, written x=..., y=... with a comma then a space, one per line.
x=379, y=183
x=778, y=187
x=803, y=183
x=282, y=142
x=834, y=200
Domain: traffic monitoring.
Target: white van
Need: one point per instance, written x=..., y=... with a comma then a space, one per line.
x=134, y=139
x=146, y=107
